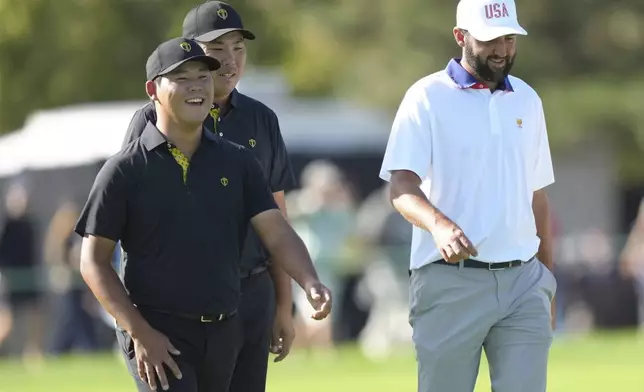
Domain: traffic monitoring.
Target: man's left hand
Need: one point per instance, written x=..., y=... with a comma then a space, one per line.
x=319, y=297
x=283, y=332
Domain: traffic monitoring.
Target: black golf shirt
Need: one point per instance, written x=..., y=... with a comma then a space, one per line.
x=182, y=241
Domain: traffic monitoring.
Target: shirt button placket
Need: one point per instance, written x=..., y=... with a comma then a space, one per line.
x=495, y=123
x=216, y=116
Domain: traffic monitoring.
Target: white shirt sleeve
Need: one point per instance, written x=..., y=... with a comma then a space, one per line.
x=410, y=143
x=543, y=171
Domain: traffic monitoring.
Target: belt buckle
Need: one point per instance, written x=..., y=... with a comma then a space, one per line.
x=206, y=319
x=491, y=268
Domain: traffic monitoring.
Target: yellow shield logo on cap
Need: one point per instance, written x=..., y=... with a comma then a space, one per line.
x=186, y=46
x=224, y=181
x=252, y=142
x=222, y=13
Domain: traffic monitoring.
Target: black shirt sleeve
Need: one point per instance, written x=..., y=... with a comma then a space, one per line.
x=104, y=214
x=138, y=123
x=281, y=176
x=257, y=194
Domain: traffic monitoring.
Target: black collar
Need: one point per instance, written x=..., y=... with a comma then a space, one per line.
x=233, y=102
x=153, y=138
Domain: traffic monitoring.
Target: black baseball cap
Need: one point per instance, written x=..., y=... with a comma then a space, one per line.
x=212, y=19
x=171, y=54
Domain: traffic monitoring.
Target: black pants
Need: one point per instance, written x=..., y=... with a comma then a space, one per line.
x=208, y=352
x=257, y=310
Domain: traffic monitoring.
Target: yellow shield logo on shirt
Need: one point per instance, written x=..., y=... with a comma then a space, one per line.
x=224, y=181
x=519, y=123
x=252, y=143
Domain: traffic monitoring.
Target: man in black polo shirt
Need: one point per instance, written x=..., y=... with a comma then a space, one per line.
x=266, y=303
x=180, y=200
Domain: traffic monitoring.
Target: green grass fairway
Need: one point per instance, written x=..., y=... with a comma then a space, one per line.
x=592, y=364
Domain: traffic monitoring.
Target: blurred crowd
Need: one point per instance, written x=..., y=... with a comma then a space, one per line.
x=45, y=307
x=360, y=249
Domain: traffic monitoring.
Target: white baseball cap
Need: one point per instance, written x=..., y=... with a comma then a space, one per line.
x=486, y=20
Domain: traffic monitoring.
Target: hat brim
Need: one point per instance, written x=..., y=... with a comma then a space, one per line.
x=214, y=34
x=490, y=33
x=212, y=63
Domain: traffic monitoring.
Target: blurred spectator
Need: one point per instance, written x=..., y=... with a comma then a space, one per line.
x=19, y=268
x=632, y=260
x=386, y=236
x=5, y=312
x=601, y=285
x=381, y=226
x=75, y=321
x=322, y=213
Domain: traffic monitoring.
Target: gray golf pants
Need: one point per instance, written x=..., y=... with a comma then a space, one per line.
x=457, y=312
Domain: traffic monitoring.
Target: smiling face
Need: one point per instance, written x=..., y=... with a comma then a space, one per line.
x=490, y=61
x=230, y=50
x=185, y=94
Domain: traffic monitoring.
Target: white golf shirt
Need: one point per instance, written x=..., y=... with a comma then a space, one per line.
x=480, y=156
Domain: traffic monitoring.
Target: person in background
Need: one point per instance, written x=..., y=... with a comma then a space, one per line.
x=6, y=319
x=386, y=238
x=323, y=213
x=75, y=319
x=20, y=270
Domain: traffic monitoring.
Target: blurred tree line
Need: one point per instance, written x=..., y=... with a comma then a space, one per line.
x=582, y=56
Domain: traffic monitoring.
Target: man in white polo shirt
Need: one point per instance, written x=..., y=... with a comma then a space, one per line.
x=468, y=160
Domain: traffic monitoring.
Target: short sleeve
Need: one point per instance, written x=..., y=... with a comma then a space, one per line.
x=409, y=146
x=138, y=122
x=257, y=194
x=281, y=177
x=104, y=213
x=543, y=170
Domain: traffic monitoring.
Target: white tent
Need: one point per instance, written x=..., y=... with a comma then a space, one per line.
x=11, y=154
x=70, y=136
x=87, y=133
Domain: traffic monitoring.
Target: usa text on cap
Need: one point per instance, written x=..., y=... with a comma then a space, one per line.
x=486, y=20
x=171, y=54
x=212, y=19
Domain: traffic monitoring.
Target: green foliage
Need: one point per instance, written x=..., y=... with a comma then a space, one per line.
x=65, y=52
x=583, y=56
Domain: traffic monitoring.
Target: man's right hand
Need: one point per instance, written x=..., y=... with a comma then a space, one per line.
x=452, y=243
x=152, y=350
